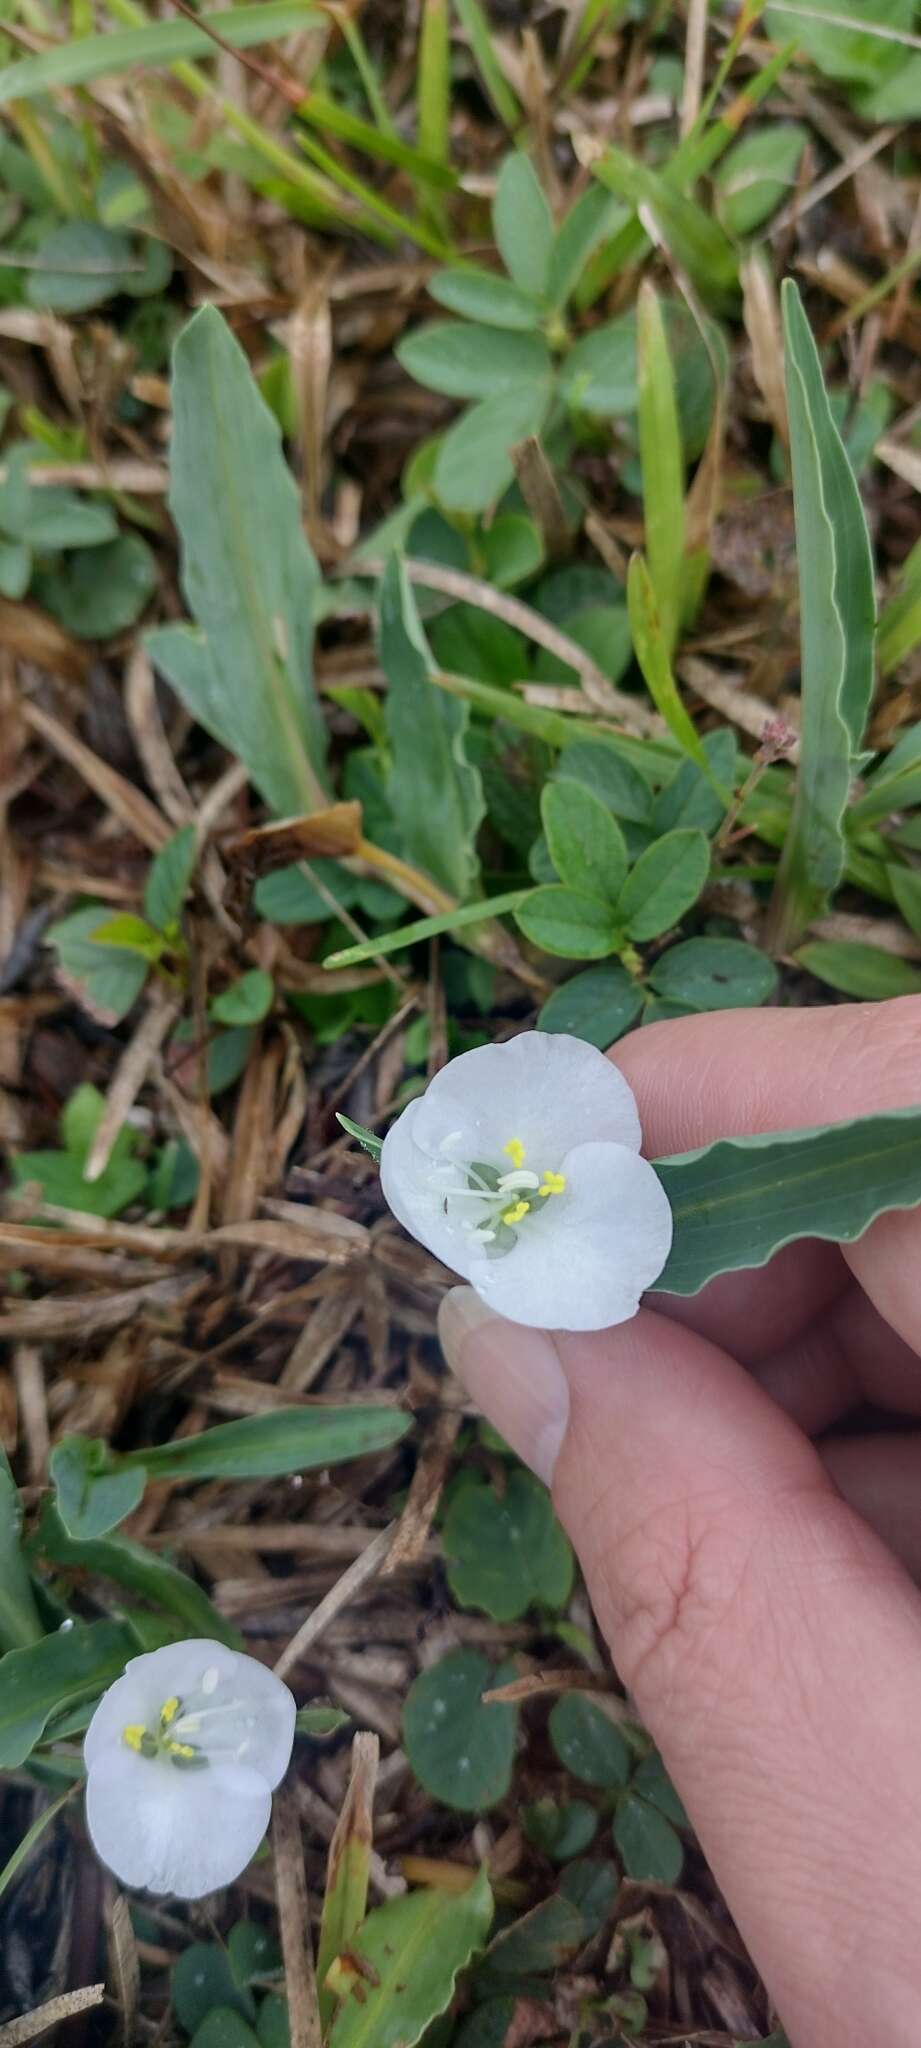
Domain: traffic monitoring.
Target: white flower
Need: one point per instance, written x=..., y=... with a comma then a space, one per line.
x=183, y=1753
x=519, y=1167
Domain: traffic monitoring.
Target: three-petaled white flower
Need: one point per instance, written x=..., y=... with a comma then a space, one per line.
x=183, y=1754
x=520, y=1168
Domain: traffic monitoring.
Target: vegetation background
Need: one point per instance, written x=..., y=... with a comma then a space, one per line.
x=524, y=525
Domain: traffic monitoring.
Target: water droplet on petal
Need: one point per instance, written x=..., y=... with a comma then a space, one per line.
x=210, y=1679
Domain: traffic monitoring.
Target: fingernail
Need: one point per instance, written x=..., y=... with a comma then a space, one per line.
x=513, y=1375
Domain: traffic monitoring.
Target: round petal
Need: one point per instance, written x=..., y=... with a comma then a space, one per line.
x=584, y=1262
x=417, y=1199
x=240, y=1704
x=549, y=1090
x=168, y=1830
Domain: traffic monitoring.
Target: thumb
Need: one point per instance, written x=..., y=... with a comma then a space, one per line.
x=771, y=1643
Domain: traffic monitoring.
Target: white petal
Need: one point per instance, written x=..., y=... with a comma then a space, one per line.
x=168, y=1830
x=417, y=1199
x=549, y=1090
x=238, y=1699
x=584, y=1262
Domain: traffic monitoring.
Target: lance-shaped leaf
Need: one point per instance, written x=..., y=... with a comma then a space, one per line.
x=346, y=1897
x=41, y=1678
x=737, y=1202
x=837, y=613
x=250, y=579
x=19, y=1622
x=435, y=792
x=410, y=1952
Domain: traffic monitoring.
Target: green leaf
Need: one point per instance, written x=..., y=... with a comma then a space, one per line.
x=246, y=1001
x=78, y=265
x=736, y=1203
x=654, y=594
x=19, y=1621
x=106, y=981
x=91, y=1494
x=131, y=934
x=15, y=568
x=427, y=928
x=894, y=784
x=72, y=1664
x=248, y=574
x=254, y=1953
x=480, y=295
x=267, y=1446
x=474, y=465
x=714, y=974
x=465, y=361
x=837, y=611
x=599, y=374
x=477, y=31
x=366, y=1139
x=99, y=591
x=594, y=216
x=857, y=970
x=345, y=1900
x=140, y=1571
x=506, y=1553
x=412, y=1950
x=691, y=797
x=647, y=1842
x=568, y=922
x=603, y=631
x=460, y=1750
x=586, y=843
x=665, y=882
x=319, y=1722
x=906, y=888
x=168, y=878
x=693, y=237
x=523, y=225
x=599, y=1005
x=852, y=54
x=651, y=643
x=595, y=766
x=757, y=173
x=651, y=1781
x=542, y=1940
x=57, y=518
x=59, y=1176
x=588, y=1743
x=560, y=1831
x=80, y=59
x=203, y=1981
x=512, y=550
x=222, y=2027
x=434, y=791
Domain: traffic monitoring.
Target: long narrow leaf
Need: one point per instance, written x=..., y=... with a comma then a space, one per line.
x=84, y=58
x=837, y=611
x=737, y=1202
x=248, y=574
x=662, y=463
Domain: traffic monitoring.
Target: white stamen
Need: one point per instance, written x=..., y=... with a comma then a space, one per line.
x=522, y=1177
x=210, y=1679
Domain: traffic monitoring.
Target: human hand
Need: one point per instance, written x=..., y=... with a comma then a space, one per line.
x=758, y=1589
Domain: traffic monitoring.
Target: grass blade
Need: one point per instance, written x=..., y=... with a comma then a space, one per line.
x=80, y=61
x=662, y=462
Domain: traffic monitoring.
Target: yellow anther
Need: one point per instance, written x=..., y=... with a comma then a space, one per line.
x=516, y=1212
x=134, y=1735
x=181, y=1749
x=552, y=1183
x=515, y=1150
x=168, y=1712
